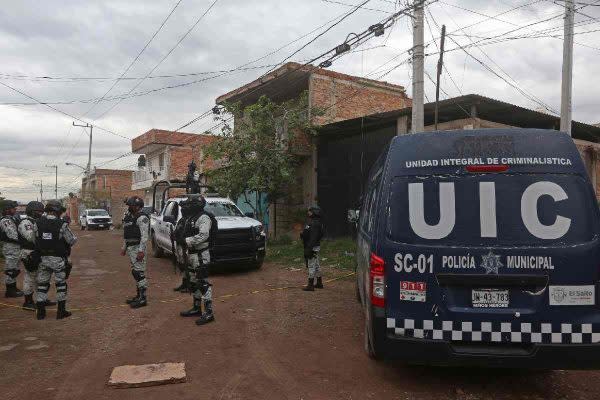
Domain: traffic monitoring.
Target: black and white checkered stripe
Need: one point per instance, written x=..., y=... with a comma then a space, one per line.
x=500, y=332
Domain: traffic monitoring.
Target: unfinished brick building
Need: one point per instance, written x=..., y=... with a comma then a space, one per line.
x=336, y=97
x=167, y=155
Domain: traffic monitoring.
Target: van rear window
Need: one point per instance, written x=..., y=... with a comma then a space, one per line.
x=491, y=210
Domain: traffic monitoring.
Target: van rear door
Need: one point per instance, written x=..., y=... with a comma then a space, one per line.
x=484, y=244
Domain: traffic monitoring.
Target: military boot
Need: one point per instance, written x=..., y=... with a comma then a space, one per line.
x=319, y=284
x=62, y=312
x=29, y=304
x=41, y=310
x=207, y=316
x=140, y=301
x=133, y=299
x=194, y=311
x=310, y=287
x=12, y=291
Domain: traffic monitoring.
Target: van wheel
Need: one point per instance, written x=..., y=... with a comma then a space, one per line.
x=83, y=227
x=369, y=348
x=357, y=289
x=157, y=252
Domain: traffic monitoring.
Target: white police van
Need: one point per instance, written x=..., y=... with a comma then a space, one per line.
x=481, y=247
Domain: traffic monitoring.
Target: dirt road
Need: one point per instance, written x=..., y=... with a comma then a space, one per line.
x=271, y=344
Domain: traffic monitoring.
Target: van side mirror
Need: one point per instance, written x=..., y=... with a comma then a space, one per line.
x=249, y=214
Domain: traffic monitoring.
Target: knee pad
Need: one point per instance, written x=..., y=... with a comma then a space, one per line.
x=202, y=272
x=203, y=286
x=13, y=273
x=43, y=287
x=138, y=275
x=61, y=287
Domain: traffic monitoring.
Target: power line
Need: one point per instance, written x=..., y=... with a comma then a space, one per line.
x=164, y=58
x=136, y=57
x=60, y=111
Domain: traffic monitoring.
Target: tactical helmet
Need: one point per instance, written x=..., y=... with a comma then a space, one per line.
x=54, y=206
x=135, y=201
x=8, y=204
x=34, y=206
x=192, y=206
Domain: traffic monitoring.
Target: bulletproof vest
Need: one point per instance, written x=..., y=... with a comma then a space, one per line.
x=3, y=236
x=131, y=230
x=190, y=228
x=25, y=244
x=48, y=240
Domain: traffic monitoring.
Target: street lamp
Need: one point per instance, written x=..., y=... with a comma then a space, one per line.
x=76, y=165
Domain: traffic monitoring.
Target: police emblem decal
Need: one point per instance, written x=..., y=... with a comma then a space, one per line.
x=491, y=263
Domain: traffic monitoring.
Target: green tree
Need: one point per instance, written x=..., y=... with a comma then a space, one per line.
x=257, y=153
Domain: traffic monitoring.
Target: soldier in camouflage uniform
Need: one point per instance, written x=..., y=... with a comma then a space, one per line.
x=136, y=226
x=54, y=240
x=10, y=247
x=29, y=257
x=199, y=231
x=311, y=238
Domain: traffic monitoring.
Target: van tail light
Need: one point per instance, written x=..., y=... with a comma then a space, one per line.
x=377, y=275
x=481, y=169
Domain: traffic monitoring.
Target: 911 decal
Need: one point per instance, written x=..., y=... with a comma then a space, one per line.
x=409, y=263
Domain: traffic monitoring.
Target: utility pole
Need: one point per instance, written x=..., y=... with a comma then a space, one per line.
x=440, y=65
x=89, y=163
x=55, y=179
x=41, y=189
x=418, y=60
x=566, y=108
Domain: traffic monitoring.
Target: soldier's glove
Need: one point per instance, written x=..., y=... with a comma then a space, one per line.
x=68, y=268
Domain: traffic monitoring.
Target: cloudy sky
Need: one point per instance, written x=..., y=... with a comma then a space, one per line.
x=88, y=45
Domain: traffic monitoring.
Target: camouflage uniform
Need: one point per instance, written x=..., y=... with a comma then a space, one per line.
x=198, y=268
x=26, y=230
x=314, y=266
x=197, y=242
x=10, y=250
x=54, y=265
x=138, y=268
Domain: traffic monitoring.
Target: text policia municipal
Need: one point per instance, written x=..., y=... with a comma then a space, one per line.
x=448, y=162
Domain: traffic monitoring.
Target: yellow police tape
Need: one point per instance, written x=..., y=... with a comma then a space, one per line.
x=225, y=296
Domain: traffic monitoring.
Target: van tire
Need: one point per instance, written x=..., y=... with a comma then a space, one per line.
x=83, y=227
x=357, y=288
x=369, y=344
x=157, y=252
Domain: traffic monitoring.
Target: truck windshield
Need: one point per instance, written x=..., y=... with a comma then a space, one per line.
x=97, y=213
x=491, y=210
x=223, y=210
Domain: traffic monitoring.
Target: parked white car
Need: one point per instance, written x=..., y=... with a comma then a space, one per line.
x=240, y=238
x=95, y=219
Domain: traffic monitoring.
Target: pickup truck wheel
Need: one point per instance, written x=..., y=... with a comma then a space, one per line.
x=157, y=252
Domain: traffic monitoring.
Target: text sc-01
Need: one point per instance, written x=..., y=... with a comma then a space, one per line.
x=409, y=263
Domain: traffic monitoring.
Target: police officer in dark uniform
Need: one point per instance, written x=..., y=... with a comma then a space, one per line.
x=136, y=226
x=53, y=239
x=196, y=238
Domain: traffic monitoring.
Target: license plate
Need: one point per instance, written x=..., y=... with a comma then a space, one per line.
x=489, y=298
x=101, y=226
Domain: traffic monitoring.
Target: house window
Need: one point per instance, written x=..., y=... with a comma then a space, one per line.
x=161, y=161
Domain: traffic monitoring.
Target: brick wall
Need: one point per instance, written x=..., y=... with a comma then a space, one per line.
x=342, y=97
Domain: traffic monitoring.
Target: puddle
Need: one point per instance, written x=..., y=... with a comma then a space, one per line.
x=30, y=338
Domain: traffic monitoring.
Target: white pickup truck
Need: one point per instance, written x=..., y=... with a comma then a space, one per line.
x=240, y=238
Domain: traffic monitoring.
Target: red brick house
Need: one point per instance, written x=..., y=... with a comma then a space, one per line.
x=337, y=97
x=106, y=188
x=166, y=156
